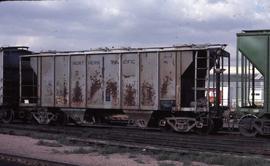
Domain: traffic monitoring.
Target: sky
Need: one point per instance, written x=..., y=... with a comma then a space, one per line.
x=85, y=24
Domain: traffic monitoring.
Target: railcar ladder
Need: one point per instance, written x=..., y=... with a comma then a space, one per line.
x=202, y=63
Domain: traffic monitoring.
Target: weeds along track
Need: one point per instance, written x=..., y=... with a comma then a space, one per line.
x=224, y=143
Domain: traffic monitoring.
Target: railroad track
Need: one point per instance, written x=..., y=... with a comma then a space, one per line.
x=8, y=159
x=224, y=143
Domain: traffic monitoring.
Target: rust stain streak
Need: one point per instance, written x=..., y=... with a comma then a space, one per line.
x=61, y=93
x=65, y=93
x=77, y=91
x=164, y=88
x=111, y=89
x=130, y=93
x=148, y=94
x=96, y=84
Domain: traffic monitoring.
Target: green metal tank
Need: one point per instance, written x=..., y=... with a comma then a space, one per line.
x=253, y=57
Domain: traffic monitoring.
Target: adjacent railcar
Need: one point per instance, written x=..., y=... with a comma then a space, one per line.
x=9, y=80
x=253, y=57
x=159, y=86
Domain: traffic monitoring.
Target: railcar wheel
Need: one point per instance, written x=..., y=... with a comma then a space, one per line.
x=246, y=126
x=163, y=125
x=60, y=119
x=29, y=118
x=141, y=123
x=206, y=128
x=8, y=115
x=217, y=125
x=92, y=120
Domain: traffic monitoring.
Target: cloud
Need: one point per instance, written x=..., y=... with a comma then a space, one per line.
x=84, y=24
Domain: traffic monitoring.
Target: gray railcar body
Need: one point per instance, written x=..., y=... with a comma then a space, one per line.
x=130, y=80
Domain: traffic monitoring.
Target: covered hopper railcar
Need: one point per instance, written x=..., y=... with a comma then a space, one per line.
x=158, y=87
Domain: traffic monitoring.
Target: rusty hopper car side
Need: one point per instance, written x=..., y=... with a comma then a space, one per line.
x=159, y=86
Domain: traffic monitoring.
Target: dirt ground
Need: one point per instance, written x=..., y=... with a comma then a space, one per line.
x=30, y=147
